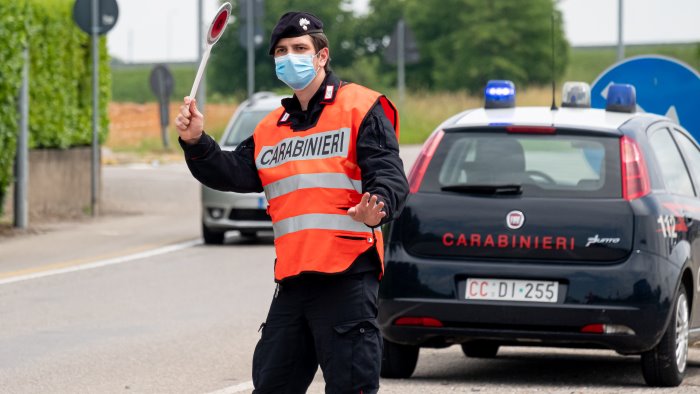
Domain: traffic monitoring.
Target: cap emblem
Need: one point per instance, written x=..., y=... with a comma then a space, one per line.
x=304, y=23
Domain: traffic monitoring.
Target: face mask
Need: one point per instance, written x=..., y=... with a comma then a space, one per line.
x=297, y=71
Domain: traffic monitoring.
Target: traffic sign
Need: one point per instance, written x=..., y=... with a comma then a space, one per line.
x=258, y=16
x=162, y=85
x=108, y=13
x=410, y=53
x=664, y=85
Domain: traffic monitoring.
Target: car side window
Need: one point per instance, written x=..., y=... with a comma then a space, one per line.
x=691, y=153
x=671, y=163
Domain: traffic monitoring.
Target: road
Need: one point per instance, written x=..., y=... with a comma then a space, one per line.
x=133, y=303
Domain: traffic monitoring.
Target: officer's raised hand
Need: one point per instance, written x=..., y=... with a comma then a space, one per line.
x=189, y=122
x=368, y=211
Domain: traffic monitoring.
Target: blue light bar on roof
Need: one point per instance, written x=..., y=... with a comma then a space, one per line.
x=621, y=98
x=499, y=94
x=576, y=95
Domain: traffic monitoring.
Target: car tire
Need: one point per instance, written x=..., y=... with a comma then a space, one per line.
x=398, y=361
x=212, y=237
x=665, y=364
x=480, y=349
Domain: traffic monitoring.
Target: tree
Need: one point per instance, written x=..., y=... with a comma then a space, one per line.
x=464, y=43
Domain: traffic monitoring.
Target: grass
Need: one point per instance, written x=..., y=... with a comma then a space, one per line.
x=585, y=64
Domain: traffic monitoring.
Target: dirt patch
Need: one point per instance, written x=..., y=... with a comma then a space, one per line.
x=131, y=123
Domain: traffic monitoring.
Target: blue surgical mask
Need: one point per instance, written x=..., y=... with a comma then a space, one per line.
x=296, y=70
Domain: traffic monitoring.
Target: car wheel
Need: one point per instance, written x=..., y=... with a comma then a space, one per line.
x=212, y=237
x=398, y=361
x=664, y=365
x=480, y=349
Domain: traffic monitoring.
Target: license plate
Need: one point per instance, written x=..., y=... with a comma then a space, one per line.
x=512, y=290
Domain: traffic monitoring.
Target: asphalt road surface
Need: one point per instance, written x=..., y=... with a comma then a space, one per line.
x=133, y=303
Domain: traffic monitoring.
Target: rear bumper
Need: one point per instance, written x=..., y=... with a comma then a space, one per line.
x=637, y=293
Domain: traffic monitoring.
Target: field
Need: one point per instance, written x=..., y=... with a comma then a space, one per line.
x=135, y=132
x=134, y=118
x=130, y=83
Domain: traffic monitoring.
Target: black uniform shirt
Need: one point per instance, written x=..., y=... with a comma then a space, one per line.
x=377, y=156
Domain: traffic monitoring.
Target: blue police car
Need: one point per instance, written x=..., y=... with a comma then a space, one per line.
x=568, y=227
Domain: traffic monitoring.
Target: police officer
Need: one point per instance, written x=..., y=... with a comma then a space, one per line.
x=328, y=161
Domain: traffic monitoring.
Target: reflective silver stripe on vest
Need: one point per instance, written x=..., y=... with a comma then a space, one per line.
x=334, y=143
x=319, y=221
x=328, y=180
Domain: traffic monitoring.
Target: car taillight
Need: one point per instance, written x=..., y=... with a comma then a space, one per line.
x=635, y=178
x=418, y=321
x=607, y=329
x=415, y=177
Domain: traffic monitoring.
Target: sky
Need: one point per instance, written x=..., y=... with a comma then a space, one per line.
x=165, y=30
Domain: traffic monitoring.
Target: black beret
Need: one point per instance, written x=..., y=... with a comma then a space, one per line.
x=294, y=24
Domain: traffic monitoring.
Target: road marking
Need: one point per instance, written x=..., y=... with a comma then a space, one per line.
x=76, y=262
x=64, y=268
x=235, y=389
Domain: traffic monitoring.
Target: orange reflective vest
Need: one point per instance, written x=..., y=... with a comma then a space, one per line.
x=311, y=179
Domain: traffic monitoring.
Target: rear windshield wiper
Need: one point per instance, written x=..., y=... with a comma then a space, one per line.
x=484, y=189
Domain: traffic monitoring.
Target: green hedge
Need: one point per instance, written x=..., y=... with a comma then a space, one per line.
x=60, y=91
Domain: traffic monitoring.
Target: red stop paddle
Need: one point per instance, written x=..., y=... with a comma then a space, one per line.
x=216, y=29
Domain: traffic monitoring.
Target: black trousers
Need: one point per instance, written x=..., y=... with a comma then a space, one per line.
x=321, y=319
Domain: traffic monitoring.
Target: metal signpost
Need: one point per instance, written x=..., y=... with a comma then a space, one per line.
x=95, y=17
x=664, y=86
x=402, y=50
x=251, y=35
x=162, y=85
x=21, y=210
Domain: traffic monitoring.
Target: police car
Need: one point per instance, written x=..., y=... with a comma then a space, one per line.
x=569, y=227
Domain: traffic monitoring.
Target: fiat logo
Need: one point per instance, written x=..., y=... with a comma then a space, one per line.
x=515, y=220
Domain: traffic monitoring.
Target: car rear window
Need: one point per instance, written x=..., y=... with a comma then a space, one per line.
x=552, y=165
x=243, y=126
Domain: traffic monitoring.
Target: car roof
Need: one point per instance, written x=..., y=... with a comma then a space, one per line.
x=578, y=118
x=262, y=101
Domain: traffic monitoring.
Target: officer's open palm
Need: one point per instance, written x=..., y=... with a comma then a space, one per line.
x=189, y=122
x=368, y=211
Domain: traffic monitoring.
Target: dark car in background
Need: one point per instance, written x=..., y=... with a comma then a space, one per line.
x=569, y=227
x=244, y=212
